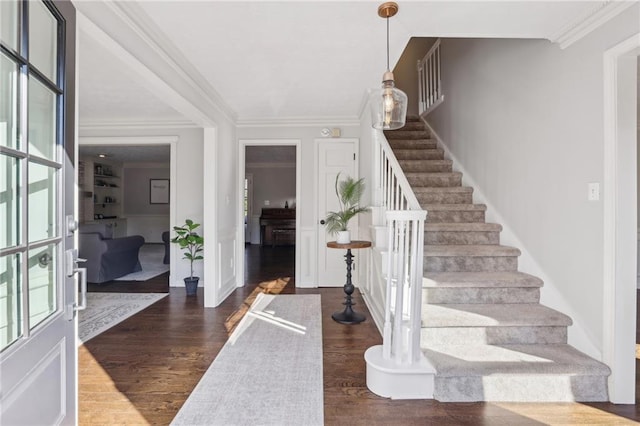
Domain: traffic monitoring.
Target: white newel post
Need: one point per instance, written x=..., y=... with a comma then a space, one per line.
x=397, y=369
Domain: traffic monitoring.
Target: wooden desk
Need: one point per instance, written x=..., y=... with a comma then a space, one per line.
x=348, y=316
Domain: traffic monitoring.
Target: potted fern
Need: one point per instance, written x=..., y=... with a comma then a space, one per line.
x=349, y=191
x=192, y=244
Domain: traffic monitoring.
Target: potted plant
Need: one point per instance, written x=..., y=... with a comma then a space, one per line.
x=192, y=244
x=349, y=192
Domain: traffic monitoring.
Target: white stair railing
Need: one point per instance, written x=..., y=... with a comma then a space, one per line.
x=402, y=322
x=397, y=369
x=429, y=80
x=393, y=191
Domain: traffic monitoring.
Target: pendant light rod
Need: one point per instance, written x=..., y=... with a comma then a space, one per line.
x=388, y=69
x=387, y=10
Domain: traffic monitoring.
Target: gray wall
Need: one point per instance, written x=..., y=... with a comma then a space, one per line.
x=274, y=184
x=136, y=190
x=524, y=120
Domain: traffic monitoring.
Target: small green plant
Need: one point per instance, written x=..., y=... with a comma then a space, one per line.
x=349, y=192
x=189, y=241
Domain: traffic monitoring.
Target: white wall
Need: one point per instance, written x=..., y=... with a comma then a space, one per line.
x=188, y=183
x=524, y=120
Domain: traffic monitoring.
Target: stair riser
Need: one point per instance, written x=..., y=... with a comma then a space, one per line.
x=419, y=154
x=433, y=336
x=470, y=264
x=435, y=180
x=405, y=134
x=444, y=197
x=413, y=143
x=449, y=295
x=451, y=216
x=465, y=237
x=521, y=388
x=425, y=166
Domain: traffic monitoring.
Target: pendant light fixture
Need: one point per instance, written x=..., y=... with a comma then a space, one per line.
x=388, y=104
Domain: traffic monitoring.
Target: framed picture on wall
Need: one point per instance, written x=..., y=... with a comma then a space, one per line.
x=159, y=191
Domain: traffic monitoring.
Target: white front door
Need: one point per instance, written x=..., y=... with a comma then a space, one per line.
x=334, y=156
x=38, y=354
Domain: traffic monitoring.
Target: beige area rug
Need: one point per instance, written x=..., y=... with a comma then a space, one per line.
x=268, y=373
x=104, y=310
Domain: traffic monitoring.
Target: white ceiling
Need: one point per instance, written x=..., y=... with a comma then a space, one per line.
x=298, y=60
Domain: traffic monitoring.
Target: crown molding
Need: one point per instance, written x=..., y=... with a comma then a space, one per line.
x=128, y=32
x=590, y=21
x=114, y=124
x=298, y=122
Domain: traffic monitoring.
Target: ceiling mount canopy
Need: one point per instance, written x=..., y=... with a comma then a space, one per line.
x=388, y=104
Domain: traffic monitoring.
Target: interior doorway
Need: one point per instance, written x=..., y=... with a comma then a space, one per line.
x=115, y=191
x=268, y=220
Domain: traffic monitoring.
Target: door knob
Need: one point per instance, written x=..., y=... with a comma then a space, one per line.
x=322, y=222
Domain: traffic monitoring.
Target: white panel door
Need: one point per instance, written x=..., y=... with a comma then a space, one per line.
x=38, y=355
x=334, y=156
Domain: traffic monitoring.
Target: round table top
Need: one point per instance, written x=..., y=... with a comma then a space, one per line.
x=351, y=245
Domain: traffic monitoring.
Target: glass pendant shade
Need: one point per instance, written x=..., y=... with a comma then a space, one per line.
x=388, y=105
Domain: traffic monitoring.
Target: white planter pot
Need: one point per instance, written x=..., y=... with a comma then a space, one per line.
x=344, y=237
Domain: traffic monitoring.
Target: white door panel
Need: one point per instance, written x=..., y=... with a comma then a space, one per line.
x=333, y=156
x=38, y=354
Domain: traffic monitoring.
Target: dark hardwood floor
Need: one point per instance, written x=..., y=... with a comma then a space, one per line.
x=142, y=370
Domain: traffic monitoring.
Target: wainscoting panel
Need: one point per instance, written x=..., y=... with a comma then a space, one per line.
x=226, y=263
x=308, y=257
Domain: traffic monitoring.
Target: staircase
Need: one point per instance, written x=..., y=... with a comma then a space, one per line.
x=483, y=328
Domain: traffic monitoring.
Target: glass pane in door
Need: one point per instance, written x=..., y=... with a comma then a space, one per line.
x=10, y=315
x=42, y=202
x=9, y=201
x=43, y=40
x=42, y=283
x=42, y=120
x=9, y=23
x=8, y=102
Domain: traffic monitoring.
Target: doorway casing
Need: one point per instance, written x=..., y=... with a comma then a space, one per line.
x=620, y=218
x=243, y=144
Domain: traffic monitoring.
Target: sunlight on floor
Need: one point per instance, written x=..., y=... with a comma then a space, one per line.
x=568, y=413
x=268, y=287
x=637, y=351
x=95, y=385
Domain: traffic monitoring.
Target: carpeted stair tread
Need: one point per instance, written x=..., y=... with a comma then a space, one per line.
x=480, y=279
x=471, y=250
x=425, y=143
x=419, y=154
x=485, y=360
x=462, y=227
x=451, y=190
x=426, y=166
x=405, y=134
x=455, y=207
x=492, y=315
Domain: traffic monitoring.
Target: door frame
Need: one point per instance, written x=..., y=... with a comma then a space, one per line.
x=242, y=145
x=620, y=219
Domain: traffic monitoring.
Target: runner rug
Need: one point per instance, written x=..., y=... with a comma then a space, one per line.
x=269, y=372
x=104, y=310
